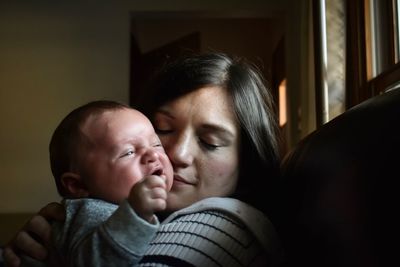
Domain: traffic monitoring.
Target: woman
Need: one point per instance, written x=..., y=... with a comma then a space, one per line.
x=215, y=118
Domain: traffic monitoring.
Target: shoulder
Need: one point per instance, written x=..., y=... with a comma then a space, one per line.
x=234, y=207
x=233, y=218
x=82, y=215
x=203, y=238
x=88, y=208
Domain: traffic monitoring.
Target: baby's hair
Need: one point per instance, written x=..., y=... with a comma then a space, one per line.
x=68, y=136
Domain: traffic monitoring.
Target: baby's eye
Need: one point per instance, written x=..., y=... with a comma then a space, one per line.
x=128, y=153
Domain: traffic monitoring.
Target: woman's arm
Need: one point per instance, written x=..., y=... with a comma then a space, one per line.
x=34, y=238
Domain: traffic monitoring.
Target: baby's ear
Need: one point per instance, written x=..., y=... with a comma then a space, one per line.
x=74, y=185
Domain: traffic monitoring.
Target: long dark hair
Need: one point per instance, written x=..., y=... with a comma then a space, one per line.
x=253, y=107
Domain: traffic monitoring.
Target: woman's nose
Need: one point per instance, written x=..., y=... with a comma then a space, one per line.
x=180, y=151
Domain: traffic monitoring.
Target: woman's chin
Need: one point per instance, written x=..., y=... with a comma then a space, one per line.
x=177, y=201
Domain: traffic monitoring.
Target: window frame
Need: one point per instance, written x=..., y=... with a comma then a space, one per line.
x=361, y=81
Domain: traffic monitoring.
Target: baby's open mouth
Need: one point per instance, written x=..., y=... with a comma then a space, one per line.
x=157, y=172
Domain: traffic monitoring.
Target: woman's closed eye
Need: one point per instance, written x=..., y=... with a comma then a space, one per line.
x=209, y=146
x=163, y=131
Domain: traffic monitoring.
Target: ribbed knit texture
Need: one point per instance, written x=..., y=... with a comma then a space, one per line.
x=187, y=237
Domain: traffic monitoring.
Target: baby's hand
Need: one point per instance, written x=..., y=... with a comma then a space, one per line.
x=149, y=196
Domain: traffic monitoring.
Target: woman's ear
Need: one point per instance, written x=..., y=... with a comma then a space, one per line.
x=74, y=185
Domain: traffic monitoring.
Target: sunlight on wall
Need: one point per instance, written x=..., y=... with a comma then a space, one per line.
x=282, y=103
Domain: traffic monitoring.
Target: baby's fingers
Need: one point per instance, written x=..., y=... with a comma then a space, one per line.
x=158, y=193
x=155, y=181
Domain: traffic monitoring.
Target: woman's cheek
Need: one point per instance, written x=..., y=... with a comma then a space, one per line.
x=222, y=173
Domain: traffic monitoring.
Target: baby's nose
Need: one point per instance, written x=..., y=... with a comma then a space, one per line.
x=150, y=156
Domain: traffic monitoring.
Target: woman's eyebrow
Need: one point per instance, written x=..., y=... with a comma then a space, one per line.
x=206, y=126
x=165, y=112
x=218, y=128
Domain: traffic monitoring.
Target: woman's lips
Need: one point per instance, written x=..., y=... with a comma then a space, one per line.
x=178, y=180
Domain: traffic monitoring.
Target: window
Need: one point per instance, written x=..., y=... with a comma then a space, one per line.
x=396, y=23
x=282, y=104
x=373, y=52
x=330, y=44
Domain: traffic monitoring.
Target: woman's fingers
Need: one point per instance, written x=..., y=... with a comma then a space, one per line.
x=35, y=236
x=23, y=242
x=30, y=240
x=40, y=229
x=53, y=211
x=10, y=258
x=28, y=245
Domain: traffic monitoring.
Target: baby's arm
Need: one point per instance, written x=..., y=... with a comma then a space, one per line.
x=97, y=233
x=102, y=237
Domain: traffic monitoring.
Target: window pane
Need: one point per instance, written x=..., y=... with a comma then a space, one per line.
x=335, y=34
x=396, y=21
x=383, y=31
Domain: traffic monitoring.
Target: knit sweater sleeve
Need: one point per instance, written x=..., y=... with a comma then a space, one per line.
x=97, y=233
x=214, y=232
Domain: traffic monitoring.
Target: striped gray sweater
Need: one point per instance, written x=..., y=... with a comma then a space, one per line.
x=214, y=232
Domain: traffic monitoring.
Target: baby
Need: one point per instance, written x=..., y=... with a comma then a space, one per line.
x=104, y=154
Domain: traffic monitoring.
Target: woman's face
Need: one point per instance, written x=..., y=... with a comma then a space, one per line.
x=200, y=134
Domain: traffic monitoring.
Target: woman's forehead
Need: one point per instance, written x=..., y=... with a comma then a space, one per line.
x=211, y=97
x=205, y=106
x=208, y=103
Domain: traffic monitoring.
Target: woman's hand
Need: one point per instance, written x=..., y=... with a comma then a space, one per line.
x=34, y=238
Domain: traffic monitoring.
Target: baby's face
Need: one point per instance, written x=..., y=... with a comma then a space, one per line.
x=122, y=149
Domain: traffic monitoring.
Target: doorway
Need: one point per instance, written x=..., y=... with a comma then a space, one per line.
x=158, y=37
